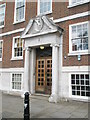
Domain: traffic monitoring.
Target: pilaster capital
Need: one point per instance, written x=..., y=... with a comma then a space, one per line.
x=28, y=49
x=55, y=45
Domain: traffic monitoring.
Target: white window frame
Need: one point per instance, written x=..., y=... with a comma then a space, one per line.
x=75, y=97
x=22, y=20
x=77, y=3
x=4, y=14
x=13, y=44
x=2, y=50
x=21, y=82
x=38, y=9
x=80, y=52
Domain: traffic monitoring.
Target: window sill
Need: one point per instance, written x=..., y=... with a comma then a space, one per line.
x=77, y=4
x=46, y=13
x=2, y=26
x=17, y=22
x=16, y=90
x=79, y=53
x=21, y=58
x=0, y=59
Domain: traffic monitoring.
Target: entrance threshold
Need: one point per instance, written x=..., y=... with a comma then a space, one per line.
x=39, y=96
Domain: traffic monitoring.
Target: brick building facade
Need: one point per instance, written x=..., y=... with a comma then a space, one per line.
x=45, y=48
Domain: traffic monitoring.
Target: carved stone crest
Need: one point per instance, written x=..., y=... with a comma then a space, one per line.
x=39, y=24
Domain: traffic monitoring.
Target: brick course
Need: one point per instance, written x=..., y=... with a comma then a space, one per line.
x=60, y=9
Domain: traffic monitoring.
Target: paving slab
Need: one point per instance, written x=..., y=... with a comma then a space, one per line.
x=13, y=107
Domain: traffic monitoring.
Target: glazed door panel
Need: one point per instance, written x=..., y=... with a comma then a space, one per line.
x=44, y=75
x=48, y=76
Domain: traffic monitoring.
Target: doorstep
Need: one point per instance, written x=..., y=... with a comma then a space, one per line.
x=40, y=96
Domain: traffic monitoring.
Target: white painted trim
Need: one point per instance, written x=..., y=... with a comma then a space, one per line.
x=37, y=34
x=55, y=21
x=76, y=69
x=4, y=14
x=10, y=70
x=17, y=57
x=12, y=32
x=72, y=17
x=2, y=50
x=70, y=91
x=38, y=9
x=15, y=22
x=19, y=22
x=79, y=23
x=2, y=26
x=64, y=69
x=0, y=59
x=81, y=52
x=77, y=4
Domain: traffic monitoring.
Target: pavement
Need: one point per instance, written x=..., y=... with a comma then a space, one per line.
x=13, y=107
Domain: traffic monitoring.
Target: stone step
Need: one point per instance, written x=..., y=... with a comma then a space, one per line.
x=39, y=96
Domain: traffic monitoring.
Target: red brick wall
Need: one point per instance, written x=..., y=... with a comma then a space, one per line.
x=72, y=60
x=7, y=53
x=59, y=10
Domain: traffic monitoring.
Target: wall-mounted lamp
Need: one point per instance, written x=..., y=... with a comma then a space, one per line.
x=41, y=47
x=65, y=57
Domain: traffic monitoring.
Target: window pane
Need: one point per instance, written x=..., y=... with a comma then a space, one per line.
x=20, y=7
x=79, y=31
x=2, y=14
x=85, y=30
x=80, y=37
x=0, y=49
x=74, y=35
x=18, y=47
x=87, y=77
x=45, y=6
x=85, y=43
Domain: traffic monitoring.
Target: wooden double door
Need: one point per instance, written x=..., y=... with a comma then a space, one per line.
x=44, y=75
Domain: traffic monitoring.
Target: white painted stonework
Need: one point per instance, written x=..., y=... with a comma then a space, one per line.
x=42, y=31
x=6, y=80
x=64, y=87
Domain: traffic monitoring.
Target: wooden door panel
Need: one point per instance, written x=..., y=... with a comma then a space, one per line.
x=49, y=76
x=40, y=77
x=44, y=75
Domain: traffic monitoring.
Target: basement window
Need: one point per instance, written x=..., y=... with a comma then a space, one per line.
x=80, y=85
x=16, y=81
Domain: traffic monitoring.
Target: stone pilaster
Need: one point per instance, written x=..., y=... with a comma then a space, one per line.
x=55, y=73
x=26, y=71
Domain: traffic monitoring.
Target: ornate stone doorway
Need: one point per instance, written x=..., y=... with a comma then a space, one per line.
x=47, y=78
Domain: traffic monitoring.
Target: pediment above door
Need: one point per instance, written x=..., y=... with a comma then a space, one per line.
x=40, y=25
